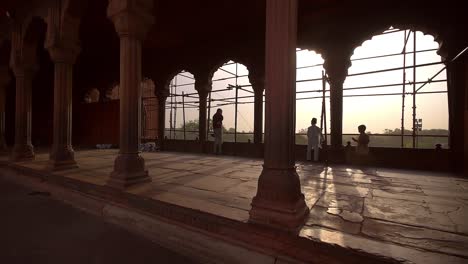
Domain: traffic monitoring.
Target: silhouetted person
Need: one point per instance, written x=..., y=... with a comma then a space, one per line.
x=314, y=137
x=218, y=131
x=362, y=149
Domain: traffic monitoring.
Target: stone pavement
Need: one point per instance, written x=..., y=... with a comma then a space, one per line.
x=34, y=228
x=410, y=215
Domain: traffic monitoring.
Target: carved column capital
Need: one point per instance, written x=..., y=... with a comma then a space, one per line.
x=203, y=86
x=24, y=60
x=131, y=17
x=62, y=39
x=66, y=55
x=337, y=70
x=257, y=82
x=162, y=94
x=25, y=70
x=337, y=62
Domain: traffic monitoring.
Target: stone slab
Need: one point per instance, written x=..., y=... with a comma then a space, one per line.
x=423, y=238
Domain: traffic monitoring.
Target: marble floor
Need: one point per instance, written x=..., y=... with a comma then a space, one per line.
x=414, y=216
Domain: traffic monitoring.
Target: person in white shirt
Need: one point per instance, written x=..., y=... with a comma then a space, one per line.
x=314, y=137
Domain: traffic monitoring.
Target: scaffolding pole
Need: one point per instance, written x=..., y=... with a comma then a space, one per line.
x=183, y=113
x=323, y=122
x=235, y=111
x=405, y=41
x=175, y=112
x=209, y=115
x=170, y=112
x=414, y=91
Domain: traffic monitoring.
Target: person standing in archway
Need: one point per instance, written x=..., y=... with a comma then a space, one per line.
x=218, y=131
x=314, y=137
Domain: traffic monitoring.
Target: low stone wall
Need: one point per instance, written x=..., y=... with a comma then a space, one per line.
x=424, y=159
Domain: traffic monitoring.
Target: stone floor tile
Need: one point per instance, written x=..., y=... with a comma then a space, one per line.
x=406, y=212
x=311, y=197
x=446, y=193
x=340, y=201
x=242, y=175
x=347, y=190
x=245, y=189
x=212, y=183
x=320, y=216
x=460, y=218
x=381, y=248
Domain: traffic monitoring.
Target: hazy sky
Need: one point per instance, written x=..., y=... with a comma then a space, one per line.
x=377, y=112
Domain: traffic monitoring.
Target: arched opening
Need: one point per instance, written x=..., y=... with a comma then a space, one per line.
x=233, y=93
x=182, y=108
x=397, y=87
x=42, y=102
x=312, y=94
x=148, y=106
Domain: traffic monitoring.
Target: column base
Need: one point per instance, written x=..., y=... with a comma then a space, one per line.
x=22, y=153
x=129, y=169
x=62, y=158
x=279, y=202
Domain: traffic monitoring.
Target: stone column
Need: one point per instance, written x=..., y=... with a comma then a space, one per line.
x=336, y=66
x=258, y=86
x=131, y=22
x=23, y=149
x=456, y=82
x=279, y=202
x=203, y=87
x=4, y=81
x=336, y=113
x=162, y=97
x=62, y=155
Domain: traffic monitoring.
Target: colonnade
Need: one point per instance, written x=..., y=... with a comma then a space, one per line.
x=279, y=202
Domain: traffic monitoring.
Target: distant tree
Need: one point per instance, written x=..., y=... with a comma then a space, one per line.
x=191, y=125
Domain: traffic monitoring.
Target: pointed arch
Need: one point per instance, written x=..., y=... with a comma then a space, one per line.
x=182, y=107
x=382, y=80
x=233, y=93
x=309, y=93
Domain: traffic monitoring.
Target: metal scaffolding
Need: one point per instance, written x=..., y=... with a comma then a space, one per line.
x=320, y=92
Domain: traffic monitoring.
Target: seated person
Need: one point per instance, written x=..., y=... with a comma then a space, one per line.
x=362, y=148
